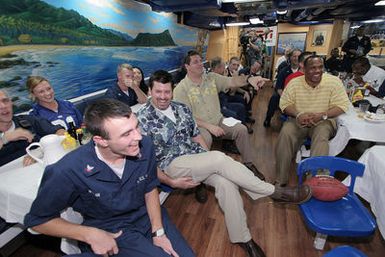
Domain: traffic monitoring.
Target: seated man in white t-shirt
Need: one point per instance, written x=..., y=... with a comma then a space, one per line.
x=364, y=72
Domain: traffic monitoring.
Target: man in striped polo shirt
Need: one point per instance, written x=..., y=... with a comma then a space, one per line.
x=313, y=102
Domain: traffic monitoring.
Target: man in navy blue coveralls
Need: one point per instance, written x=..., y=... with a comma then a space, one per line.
x=112, y=181
x=126, y=90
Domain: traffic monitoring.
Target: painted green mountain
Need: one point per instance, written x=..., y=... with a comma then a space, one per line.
x=36, y=22
x=148, y=39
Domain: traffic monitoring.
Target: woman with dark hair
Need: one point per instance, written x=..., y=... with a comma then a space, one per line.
x=139, y=78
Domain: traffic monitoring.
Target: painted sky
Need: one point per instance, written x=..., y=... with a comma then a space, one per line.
x=129, y=17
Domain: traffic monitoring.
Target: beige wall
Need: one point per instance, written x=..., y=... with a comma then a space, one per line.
x=332, y=40
x=223, y=43
x=216, y=45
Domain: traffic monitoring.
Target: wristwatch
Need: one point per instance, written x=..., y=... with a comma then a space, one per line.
x=2, y=138
x=325, y=116
x=158, y=233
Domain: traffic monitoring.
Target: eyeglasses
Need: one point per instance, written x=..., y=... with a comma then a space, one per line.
x=5, y=100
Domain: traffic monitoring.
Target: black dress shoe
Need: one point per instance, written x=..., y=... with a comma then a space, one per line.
x=296, y=194
x=256, y=172
x=201, y=193
x=249, y=129
x=266, y=123
x=252, y=249
x=229, y=146
x=250, y=120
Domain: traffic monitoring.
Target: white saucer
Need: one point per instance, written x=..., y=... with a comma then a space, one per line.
x=374, y=118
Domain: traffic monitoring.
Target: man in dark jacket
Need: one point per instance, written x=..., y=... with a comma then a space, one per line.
x=356, y=46
x=17, y=132
x=126, y=90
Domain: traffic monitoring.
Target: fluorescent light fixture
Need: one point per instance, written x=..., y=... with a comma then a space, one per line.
x=237, y=1
x=237, y=24
x=214, y=24
x=379, y=3
x=282, y=12
x=355, y=27
x=373, y=21
x=255, y=21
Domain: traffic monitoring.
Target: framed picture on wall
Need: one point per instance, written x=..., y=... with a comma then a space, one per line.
x=291, y=40
x=319, y=38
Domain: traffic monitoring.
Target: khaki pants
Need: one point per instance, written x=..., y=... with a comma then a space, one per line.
x=239, y=134
x=226, y=176
x=291, y=138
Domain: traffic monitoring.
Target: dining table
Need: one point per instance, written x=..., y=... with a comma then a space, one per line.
x=371, y=185
x=354, y=125
x=18, y=189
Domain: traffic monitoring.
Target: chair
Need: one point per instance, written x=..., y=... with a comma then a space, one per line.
x=345, y=251
x=346, y=217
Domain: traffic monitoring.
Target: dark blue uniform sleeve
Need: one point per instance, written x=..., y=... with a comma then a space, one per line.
x=42, y=126
x=280, y=84
x=34, y=111
x=153, y=180
x=244, y=71
x=56, y=193
x=110, y=93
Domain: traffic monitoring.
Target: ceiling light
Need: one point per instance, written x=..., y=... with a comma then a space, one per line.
x=215, y=24
x=355, y=27
x=255, y=21
x=282, y=12
x=380, y=3
x=237, y=24
x=373, y=21
x=236, y=1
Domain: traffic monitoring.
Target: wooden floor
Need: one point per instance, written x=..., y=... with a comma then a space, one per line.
x=278, y=229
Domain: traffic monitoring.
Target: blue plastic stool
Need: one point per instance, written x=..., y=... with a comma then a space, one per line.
x=345, y=251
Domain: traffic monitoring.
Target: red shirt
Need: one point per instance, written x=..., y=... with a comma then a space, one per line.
x=292, y=76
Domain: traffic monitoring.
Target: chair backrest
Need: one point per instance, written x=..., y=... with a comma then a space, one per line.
x=345, y=251
x=332, y=164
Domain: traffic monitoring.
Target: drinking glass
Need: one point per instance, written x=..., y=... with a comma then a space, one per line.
x=364, y=107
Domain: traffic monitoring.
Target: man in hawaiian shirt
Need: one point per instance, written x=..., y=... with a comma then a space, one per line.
x=184, y=162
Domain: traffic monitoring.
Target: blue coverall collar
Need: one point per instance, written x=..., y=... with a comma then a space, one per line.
x=102, y=172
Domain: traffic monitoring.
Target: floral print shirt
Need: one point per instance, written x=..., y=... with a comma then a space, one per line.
x=171, y=139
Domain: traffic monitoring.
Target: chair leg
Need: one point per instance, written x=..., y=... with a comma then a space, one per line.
x=319, y=241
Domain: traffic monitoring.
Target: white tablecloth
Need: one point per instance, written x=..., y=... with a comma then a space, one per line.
x=371, y=186
x=351, y=126
x=18, y=189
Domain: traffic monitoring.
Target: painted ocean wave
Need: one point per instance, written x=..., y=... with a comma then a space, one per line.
x=81, y=70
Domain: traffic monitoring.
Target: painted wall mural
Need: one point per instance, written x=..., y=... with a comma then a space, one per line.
x=77, y=44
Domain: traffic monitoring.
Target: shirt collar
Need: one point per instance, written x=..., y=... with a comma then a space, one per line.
x=101, y=171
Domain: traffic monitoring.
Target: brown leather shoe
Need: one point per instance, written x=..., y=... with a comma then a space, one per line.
x=297, y=194
x=256, y=172
x=201, y=193
x=252, y=249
